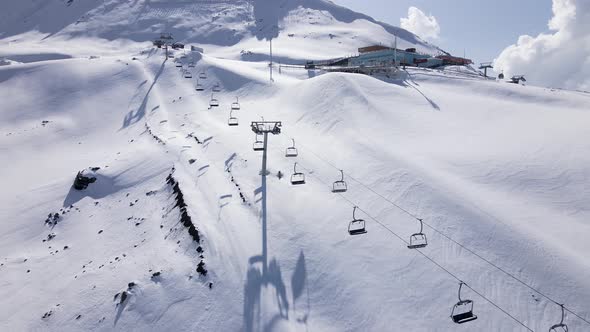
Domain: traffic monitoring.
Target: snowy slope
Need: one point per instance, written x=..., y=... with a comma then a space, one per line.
x=498, y=172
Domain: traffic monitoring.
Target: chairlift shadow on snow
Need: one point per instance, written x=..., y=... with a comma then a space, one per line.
x=223, y=201
x=299, y=284
x=230, y=161
x=258, y=279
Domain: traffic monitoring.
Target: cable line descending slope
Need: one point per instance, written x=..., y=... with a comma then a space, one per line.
x=421, y=221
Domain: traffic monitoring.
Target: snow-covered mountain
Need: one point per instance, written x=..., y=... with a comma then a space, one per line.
x=226, y=26
x=170, y=236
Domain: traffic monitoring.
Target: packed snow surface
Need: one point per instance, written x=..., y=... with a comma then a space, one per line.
x=498, y=172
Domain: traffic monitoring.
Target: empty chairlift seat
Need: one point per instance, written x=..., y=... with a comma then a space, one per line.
x=232, y=121
x=297, y=177
x=203, y=75
x=178, y=64
x=187, y=74
x=199, y=86
x=463, y=310
x=216, y=87
x=356, y=226
x=235, y=106
x=258, y=144
x=213, y=102
x=340, y=185
x=191, y=65
x=292, y=150
x=418, y=240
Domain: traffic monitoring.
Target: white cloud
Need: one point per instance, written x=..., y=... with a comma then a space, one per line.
x=423, y=25
x=560, y=58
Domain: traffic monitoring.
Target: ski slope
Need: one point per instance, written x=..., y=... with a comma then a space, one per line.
x=498, y=172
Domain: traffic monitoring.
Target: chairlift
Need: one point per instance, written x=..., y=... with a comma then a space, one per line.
x=463, y=310
x=199, y=86
x=356, y=226
x=187, y=74
x=178, y=64
x=232, y=121
x=340, y=185
x=213, y=102
x=216, y=87
x=258, y=144
x=203, y=75
x=297, y=177
x=560, y=327
x=235, y=105
x=292, y=150
x=418, y=240
x=191, y=64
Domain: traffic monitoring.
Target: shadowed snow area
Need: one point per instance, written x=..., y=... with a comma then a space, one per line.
x=175, y=234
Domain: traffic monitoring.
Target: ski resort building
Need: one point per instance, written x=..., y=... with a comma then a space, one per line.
x=379, y=55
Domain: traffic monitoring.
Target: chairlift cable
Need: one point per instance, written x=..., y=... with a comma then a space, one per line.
x=421, y=253
x=451, y=239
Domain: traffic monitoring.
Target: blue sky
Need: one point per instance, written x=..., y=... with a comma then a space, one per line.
x=482, y=28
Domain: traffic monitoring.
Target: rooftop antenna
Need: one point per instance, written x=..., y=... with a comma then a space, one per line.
x=270, y=65
x=395, y=50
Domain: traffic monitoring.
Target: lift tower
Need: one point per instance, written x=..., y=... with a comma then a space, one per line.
x=485, y=66
x=264, y=128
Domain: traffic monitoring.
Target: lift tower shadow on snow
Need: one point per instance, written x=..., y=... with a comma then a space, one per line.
x=256, y=279
x=264, y=128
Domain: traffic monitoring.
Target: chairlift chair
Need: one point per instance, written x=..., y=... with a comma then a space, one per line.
x=292, y=150
x=463, y=310
x=216, y=87
x=356, y=226
x=258, y=144
x=232, y=121
x=178, y=64
x=418, y=240
x=235, y=105
x=191, y=64
x=203, y=75
x=297, y=177
x=199, y=86
x=187, y=74
x=340, y=185
x=213, y=102
x=560, y=327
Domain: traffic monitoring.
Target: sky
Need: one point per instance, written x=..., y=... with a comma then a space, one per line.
x=482, y=28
